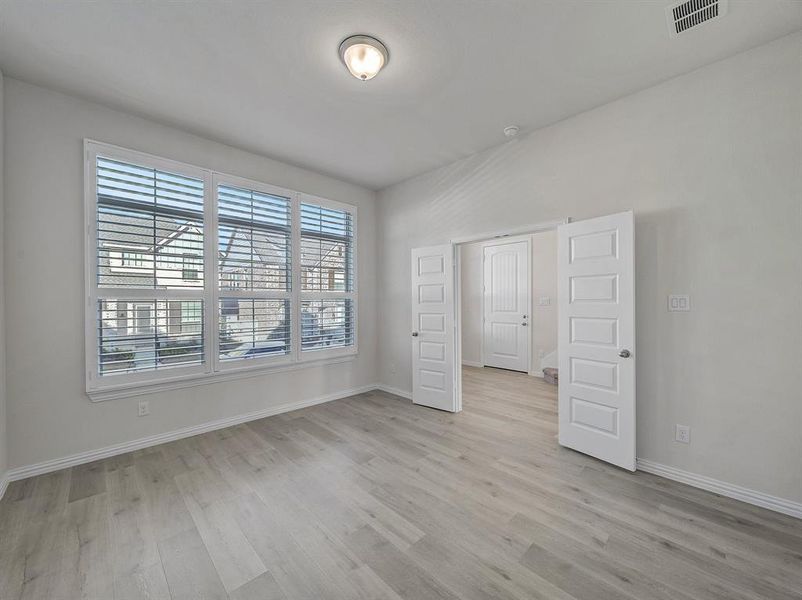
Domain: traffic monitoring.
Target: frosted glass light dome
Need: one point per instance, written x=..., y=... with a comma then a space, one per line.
x=363, y=56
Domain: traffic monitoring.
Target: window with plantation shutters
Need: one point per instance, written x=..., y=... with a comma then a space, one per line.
x=193, y=274
x=326, y=249
x=254, y=239
x=149, y=227
x=327, y=277
x=149, y=244
x=254, y=230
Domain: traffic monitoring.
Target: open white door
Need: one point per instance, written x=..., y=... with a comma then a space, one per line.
x=433, y=360
x=506, y=305
x=596, y=296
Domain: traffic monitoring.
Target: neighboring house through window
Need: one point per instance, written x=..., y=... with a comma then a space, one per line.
x=132, y=259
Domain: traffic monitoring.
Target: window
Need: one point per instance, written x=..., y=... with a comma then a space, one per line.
x=135, y=336
x=191, y=314
x=255, y=273
x=193, y=273
x=132, y=259
x=143, y=214
x=191, y=267
x=326, y=324
x=327, y=319
x=156, y=211
x=252, y=328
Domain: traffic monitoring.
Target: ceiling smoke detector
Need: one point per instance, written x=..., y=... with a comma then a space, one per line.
x=683, y=16
x=511, y=131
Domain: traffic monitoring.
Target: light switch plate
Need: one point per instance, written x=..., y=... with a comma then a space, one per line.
x=544, y=301
x=679, y=303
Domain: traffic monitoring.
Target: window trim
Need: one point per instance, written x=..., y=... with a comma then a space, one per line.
x=212, y=369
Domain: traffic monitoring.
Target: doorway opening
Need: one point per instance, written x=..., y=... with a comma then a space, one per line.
x=507, y=301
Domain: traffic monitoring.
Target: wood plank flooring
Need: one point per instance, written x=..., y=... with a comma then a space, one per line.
x=372, y=498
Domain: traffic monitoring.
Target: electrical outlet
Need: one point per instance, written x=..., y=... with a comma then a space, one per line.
x=679, y=303
x=683, y=434
x=144, y=408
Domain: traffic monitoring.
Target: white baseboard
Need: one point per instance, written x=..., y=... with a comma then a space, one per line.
x=781, y=505
x=472, y=363
x=92, y=455
x=396, y=391
x=3, y=484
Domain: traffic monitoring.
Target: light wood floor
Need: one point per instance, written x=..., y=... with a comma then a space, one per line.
x=371, y=497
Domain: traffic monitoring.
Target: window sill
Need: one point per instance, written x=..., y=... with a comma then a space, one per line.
x=113, y=392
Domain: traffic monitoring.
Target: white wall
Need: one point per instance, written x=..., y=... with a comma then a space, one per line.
x=3, y=432
x=544, y=285
x=543, y=320
x=49, y=414
x=471, y=302
x=710, y=163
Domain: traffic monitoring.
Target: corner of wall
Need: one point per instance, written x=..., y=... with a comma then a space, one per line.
x=3, y=436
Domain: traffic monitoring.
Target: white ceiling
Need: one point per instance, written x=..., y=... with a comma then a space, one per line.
x=266, y=76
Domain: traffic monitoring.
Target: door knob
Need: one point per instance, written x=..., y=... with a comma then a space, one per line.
x=625, y=353
x=414, y=334
x=524, y=323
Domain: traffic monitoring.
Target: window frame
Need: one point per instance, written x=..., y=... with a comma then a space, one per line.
x=212, y=369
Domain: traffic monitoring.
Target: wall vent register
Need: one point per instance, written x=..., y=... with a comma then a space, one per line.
x=684, y=16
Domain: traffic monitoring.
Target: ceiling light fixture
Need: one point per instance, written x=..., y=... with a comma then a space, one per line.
x=364, y=56
x=511, y=131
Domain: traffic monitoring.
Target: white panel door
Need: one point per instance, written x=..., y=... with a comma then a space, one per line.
x=433, y=360
x=596, y=297
x=506, y=306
